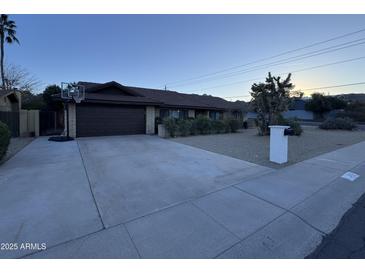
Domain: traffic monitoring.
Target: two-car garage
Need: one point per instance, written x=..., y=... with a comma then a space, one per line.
x=109, y=119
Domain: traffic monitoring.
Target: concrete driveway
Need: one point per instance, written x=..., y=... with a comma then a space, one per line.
x=132, y=176
x=45, y=197
x=145, y=197
x=55, y=193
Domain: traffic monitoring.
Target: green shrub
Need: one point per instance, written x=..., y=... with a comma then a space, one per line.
x=199, y=125
x=4, y=139
x=355, y=111
x=338, y=123
x=227, y=126
x=218, y=126
x=184, y=127
x=234, y=125
x=202, y=125
x=292, y=123
x=171, y=126
x=193, y=128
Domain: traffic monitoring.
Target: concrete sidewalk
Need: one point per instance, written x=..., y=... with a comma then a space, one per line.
x=314, y=197
x=283, y=214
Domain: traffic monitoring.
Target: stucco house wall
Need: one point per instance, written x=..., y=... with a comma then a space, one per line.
x=150, y=119
x=300, y=114
x=72, y=119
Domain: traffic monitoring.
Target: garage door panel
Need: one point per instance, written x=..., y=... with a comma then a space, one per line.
x=104, y=120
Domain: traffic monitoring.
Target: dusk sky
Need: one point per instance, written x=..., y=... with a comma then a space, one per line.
x=154, y=50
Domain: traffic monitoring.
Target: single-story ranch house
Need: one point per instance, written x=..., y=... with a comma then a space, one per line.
x=114, y=109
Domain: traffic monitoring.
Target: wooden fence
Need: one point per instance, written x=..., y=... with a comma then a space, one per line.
x=11, y=119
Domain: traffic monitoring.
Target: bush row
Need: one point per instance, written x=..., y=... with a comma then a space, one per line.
x=200, y=125
x=338, y=123
x=4, y=139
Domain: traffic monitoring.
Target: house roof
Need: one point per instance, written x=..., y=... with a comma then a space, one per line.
x=297, y=104
x=10, y=93
x=160, y=97
x=359, y=97
x=5, y=92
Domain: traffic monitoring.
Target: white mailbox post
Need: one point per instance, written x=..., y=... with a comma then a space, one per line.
x=278, y=144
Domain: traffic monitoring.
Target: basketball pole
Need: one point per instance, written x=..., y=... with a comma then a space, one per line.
x=76, y=97
x=68, y=121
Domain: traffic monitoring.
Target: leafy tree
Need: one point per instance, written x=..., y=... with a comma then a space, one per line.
x=337, y=103
x=269, y=100
x=44, y=100
x=49, y=100
x=32, y=101
x=7, y=34
x=320, y=103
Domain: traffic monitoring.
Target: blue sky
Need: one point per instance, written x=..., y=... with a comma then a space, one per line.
x=154, y=50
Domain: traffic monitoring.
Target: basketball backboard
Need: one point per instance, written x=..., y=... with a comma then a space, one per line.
x=72, y=91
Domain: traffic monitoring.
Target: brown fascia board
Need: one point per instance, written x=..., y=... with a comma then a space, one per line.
x=121, y=102
x=159, y=104
x=192, y=107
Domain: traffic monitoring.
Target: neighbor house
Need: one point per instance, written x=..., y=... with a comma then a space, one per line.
x=297, y=110
x=10, y=100
x=113, y=109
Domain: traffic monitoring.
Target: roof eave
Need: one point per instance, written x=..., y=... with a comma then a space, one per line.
x=121, y=102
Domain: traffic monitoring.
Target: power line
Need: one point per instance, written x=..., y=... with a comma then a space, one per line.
x=285, y=61
x=283, y=73
x=308, y=89
x=272, y=57
x=337, y=86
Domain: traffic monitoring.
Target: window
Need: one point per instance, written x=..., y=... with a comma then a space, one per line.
x=164, y=113
x=236, y=114
x=215, y=115
x=174, y=113
x=200, y=113
x=183, y=114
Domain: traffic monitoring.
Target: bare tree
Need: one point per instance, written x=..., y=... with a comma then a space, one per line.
x=19, y=78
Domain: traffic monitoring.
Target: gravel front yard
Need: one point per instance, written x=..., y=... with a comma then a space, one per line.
x=246, y=145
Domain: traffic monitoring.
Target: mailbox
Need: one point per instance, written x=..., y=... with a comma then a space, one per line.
x=289, y=132
x=279, y=143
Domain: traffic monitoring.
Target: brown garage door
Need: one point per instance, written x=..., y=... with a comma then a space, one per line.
x=103, y=120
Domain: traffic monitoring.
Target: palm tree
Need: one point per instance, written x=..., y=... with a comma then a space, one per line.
x=7, y=34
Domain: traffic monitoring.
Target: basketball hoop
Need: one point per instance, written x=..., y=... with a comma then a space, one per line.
x=69, y=92
x=77, y=100
x=72, y=91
